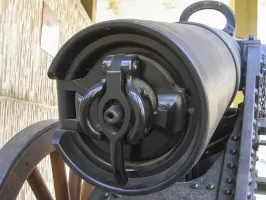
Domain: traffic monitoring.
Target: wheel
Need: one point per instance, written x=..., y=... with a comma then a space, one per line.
x=18, y=163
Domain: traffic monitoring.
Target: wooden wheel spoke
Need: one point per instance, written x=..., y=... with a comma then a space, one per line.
x=59, y=176
x=86, y=190
x=38, y=186
x=74, y=185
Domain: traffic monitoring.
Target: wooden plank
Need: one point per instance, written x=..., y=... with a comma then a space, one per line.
x=38, y=186
x=86, y=190
x=87, y=9
x=74, y=185
x=59, y=176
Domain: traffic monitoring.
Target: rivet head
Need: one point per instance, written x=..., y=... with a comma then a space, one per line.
x=227, y=191
x=251, y=37
x=233, y=152
x=210, y=186
x=248, y=195
x=255, y=186
x=252, y=152
x=207, y=152
x=229, y=180
x=231, y=166
x=249, y=180
x=234, y=138
x=257, y=158
x=106, y=195
x=195, y=186
x=250, y=167
x=253, y=138
x=255, y=107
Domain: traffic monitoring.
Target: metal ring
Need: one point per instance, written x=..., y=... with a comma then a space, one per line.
x=230, y=26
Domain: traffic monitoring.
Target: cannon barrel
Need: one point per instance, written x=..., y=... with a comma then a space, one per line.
x=140, y=100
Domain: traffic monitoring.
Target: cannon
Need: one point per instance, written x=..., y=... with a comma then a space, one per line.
x=145, y=112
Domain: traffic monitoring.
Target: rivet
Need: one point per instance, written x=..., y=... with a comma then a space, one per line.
x=106, y=195
x=253, y=138
x=255, y=186
x=251, y=37
x=254, y=122
x=252, y=161
x=234, y=138
x=231, y=166
x=195, y=186
x=249, y=181
x=250, y=167
x=227, y=191
x=255, y=107
x=257, y=158
x=248, y=195
x=252, y=152
x=207, y=152
x=172, y=83
x=233, y=152
x=229, y=180
x=210, y=186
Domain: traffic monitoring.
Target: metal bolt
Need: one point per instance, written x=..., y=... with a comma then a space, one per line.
x=229, y=180
x=251, y=37
x=231, y=166
x=135, y=65
x=233, y=152
x=257, y=158
x=195, y=186
x=172, y=83
x=210, y=186
x=254, y=122
x=227, y=191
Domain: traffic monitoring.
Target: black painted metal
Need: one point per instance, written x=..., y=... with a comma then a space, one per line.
x=230, y=26
x=228, y=176
x=204, y=188
x=187, y=92
x=246, y=169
